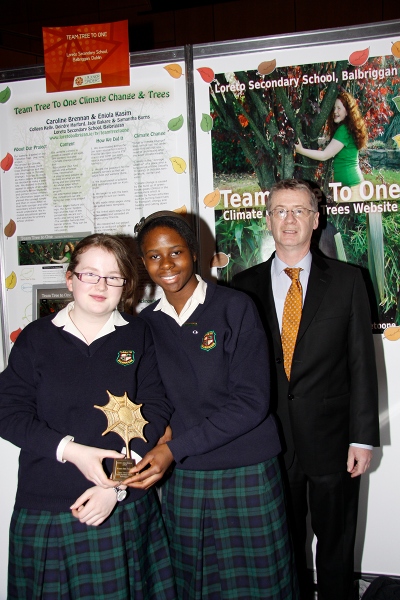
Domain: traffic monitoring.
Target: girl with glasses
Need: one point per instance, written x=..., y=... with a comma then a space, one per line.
x=75, y=533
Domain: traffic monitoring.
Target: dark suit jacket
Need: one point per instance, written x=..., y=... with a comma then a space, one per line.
x=331, y=399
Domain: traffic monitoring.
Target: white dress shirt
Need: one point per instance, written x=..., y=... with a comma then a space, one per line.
x=281, y=282
x=280, y=287
x=198, y=297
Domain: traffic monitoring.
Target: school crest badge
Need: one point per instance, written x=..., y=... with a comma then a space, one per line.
x=126, y=357
x=209, y=341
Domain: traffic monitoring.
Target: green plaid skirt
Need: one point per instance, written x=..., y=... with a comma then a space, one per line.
x=55, y=557
x=228, y=534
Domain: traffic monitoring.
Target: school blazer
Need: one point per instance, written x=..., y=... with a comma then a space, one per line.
x=332, y=397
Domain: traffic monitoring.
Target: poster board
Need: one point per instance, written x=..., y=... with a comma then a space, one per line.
x=253, y=100
x=85, y=161
x=84, y=56
x=80, y=162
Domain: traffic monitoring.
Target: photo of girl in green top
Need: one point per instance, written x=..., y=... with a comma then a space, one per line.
x=65, y=257
x=348, y=135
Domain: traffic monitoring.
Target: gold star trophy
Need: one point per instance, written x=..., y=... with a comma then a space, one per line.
x=126, y=420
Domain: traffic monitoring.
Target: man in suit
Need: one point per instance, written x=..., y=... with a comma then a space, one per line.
x=327, y=401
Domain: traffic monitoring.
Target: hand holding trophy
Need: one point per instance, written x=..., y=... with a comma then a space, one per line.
x=125, y=419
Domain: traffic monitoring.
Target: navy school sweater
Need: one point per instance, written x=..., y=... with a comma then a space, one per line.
x=215, y=371
x=49, y=389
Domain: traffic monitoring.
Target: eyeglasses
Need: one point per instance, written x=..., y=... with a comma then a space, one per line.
x=92, y=278
x=298, y=213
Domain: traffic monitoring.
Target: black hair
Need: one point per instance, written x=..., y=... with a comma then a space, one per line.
x=175, y=222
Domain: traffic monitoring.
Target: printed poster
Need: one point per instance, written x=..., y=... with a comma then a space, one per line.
x=254, y=109
x=86, y=56
x=89, y=160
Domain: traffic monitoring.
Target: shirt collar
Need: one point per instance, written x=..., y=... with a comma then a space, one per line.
x=62, y=319
x=198, y=296
x=304, y=263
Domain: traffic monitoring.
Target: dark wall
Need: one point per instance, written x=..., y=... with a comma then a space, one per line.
x=21, y=21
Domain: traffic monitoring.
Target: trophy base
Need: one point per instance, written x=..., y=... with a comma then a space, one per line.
x=121, y=468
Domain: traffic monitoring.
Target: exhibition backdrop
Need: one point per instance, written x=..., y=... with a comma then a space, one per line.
x=79, y=162
x=209, y=137
x=263, y=96
x=260, y=104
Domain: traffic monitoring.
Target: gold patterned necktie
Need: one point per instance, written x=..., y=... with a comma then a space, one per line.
x=291, y=318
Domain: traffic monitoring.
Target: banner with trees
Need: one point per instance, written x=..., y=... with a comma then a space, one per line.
x=272, y=115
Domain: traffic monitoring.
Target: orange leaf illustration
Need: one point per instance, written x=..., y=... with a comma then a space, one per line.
x=182, y=210
x=15, y=334
x=359, y=57
x=7, y=162
x=212, y=198
x=220, y=260
x=396, y=49
x=267, y=67
x=206, y=74
x=10, y=228
x=174, y=70
x=392, y=333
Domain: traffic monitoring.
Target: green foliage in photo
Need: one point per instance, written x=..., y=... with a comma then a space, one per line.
x=353, y=230
x=226, y=151
x=241, y=241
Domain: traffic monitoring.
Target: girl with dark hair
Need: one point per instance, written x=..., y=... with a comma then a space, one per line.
x=348, y=136
x=68, y=540
x=223, y=505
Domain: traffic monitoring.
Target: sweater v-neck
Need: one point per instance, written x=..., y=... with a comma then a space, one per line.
x=87, y=350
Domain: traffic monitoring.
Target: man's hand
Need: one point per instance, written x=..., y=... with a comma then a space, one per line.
x=358, y=460
x=159, y=459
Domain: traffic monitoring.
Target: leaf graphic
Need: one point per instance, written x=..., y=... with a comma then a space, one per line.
x=206, y=74
x=7, y=162
x=206, y=123
x=11, y=281
x=220, y=260
x=212, y=199
x=182, y=210
x=396, y=49
x=359, y=57
x=267, y=67
x=5, y=95
x=15, y=334
x=392, y=333
x=176, y=123
x=396, y=138
x=174, y=70
x=178, y=164
x=10, y=228
x=396, y=100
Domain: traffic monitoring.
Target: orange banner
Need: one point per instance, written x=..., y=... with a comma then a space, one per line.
x=86, y=56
